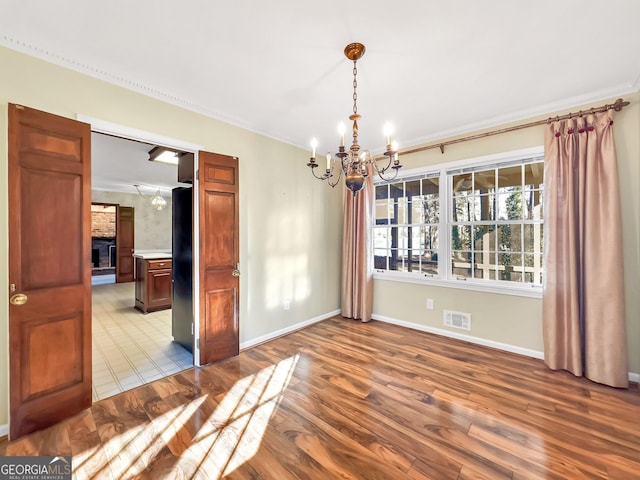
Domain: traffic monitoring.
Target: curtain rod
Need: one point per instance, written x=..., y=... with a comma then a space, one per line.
x=617, y=106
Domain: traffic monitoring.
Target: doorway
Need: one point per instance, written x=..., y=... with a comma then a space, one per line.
x=132, y=346
x=103, y=243
x=50, y=335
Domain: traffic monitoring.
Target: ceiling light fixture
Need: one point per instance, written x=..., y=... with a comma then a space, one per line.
x=354, y=162
x=157, y=201
x=164, y=155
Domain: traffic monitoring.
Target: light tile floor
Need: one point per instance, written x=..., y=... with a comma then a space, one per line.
x=130, y=348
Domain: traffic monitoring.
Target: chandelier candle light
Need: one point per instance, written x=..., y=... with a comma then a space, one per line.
x=354, y=162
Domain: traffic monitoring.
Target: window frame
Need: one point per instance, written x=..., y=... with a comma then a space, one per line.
x=445, y=278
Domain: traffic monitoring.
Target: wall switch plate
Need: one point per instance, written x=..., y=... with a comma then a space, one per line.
x=286, y=304
x=430, y=303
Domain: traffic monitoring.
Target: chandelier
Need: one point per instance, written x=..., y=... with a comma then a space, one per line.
x=157, y=201
x=353, y=162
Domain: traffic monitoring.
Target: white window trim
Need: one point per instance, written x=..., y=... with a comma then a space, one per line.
x=445, y=279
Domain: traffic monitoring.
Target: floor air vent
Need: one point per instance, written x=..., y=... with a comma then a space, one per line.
x=457, y=320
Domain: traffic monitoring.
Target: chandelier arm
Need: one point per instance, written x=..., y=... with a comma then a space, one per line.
x=337, y=179
x=378, y=170
x=321, y=177
x=388, y=179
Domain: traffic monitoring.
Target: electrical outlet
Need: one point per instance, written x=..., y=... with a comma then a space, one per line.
x=430, y=303
x=286, y=304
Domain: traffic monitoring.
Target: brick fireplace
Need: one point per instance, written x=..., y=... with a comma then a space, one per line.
x=103, y=239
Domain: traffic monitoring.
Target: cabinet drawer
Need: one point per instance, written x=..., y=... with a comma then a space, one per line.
x=159, y=264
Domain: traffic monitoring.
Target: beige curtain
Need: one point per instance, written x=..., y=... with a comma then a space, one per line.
x=583, y=301
x=357, y=255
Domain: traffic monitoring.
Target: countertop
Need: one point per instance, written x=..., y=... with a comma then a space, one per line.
x=152, y=256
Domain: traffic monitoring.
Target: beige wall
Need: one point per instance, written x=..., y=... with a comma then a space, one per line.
x=290, y=231
x=152, y=228
x=517, y=321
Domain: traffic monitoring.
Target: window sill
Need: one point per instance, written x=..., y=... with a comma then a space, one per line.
x=501, y=289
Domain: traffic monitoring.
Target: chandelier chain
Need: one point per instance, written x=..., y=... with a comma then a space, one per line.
x=355, y=88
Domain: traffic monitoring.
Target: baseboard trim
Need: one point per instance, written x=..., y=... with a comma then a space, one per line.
x=279, y=333
x=4, y=431
x=633, y=377
x=461, y=336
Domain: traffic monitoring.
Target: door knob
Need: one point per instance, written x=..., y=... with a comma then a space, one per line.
x=236, y=273
x=18, y=299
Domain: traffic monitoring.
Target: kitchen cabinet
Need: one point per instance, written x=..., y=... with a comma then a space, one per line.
x=153, y=284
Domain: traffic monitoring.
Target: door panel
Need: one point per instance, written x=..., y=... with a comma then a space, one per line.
x=124, y=244
x=219, y=225
x=159, y=288
x=219, y=257
x=39, y=268
x=50, y=263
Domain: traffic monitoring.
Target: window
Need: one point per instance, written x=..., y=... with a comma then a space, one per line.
x=479, y=222
x=407, y=225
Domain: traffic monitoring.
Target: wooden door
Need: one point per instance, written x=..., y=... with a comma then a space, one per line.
x=50, y=266
x=219, y=257
x=124, y=244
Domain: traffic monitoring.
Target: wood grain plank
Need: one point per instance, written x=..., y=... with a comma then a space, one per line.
x=342, y=399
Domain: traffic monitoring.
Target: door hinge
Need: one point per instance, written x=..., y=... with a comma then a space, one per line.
x=191, y=328
x=198, y=174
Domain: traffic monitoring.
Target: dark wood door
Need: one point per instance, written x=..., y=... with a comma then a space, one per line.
x=50, y=266
x=219, y=257
x=124, y=244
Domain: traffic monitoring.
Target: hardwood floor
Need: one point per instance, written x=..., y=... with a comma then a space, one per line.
x=342, y=399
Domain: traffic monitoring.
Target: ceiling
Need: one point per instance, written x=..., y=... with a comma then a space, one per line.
x=432, y=68
x=118, y=164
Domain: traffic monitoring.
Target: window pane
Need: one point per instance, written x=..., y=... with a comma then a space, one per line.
x=510, y=206
x=510, y=237
x=538, y=211
x=403, y=238
x=485, y=265
x=381, y=237
x=533, y=238
x=382, y=192
x=431, y=188
x=382, y=212
x=485, y=208
x=485, y=182
x=532, y=204
x=428, y=238
x=461, y=264
x=533, y=269
x=462, y=184
x=510, y=266
x=431, y=212
x=461, y=237
x=510, y=179
x=416, y=210
x=401, y=257
x=400, y=211
x=533, y=173
x=380, y=258
x=484, y=237
x=429, y=262
x=395, y=263
x=463, y=209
